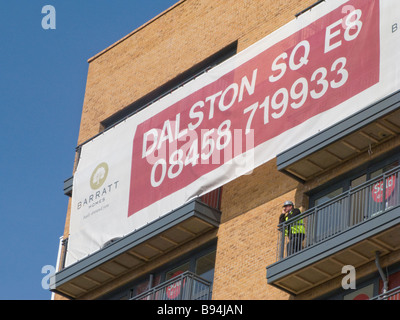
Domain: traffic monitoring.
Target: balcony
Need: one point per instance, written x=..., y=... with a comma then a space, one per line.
x=368, y=129
x=196, y=220
x=186, y=286
x=347, y=230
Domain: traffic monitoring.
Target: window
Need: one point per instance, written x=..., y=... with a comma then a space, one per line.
x=200, y=261
x=364, y=202
x=377, y=199
x=386, y=168
x=352, y=180
x=177, y=271
x=205, y=266
x=328, y=196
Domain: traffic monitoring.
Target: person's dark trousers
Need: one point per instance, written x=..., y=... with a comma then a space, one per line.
x=295, y=243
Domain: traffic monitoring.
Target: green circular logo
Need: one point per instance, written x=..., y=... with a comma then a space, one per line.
x=99, y=176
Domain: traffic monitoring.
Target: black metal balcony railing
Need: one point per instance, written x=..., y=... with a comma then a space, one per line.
x=393, y=294
x=186, y=286
x=339, y=214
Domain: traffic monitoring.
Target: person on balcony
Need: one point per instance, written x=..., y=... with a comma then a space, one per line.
x=294, y=230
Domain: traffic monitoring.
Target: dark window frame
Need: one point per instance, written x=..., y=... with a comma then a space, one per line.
x=344, y=180
x=128, y=291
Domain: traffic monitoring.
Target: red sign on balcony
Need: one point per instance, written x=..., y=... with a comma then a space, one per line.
x=377, y=189
x=175, y=288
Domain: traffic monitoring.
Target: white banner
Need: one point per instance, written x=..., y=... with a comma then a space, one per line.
x=320, y=68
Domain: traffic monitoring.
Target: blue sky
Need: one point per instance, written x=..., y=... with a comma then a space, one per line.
x=42, y=85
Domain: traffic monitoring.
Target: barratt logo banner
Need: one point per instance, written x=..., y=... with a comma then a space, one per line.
x=320, y=68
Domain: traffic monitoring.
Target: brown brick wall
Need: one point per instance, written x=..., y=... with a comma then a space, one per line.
x=159, y=51
x=171, y=43
x=247, y=236
x=178, y=39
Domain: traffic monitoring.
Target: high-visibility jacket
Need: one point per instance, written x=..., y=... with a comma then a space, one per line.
x=296, y=227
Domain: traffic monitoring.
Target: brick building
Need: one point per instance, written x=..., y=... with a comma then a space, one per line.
x=226, y=243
